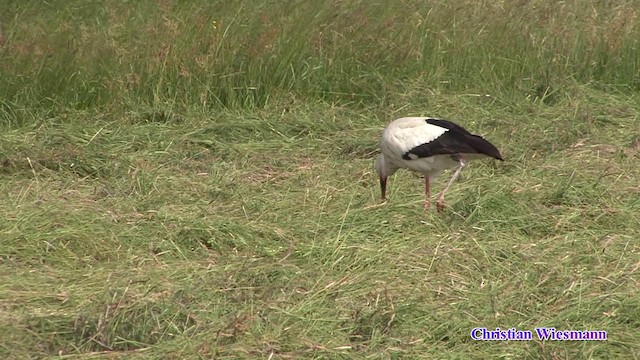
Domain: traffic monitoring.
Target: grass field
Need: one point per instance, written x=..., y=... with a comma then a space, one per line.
x=191, y=180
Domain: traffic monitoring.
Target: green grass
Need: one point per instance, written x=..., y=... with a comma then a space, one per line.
x=195, y=179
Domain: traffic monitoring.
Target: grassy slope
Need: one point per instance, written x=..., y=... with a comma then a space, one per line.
x=151, y=214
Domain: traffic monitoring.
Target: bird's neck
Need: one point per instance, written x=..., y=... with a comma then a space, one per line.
x=384, y=167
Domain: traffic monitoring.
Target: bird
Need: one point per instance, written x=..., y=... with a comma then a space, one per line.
x=429, y=146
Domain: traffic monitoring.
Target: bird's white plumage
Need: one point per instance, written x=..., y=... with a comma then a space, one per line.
x=406, y=133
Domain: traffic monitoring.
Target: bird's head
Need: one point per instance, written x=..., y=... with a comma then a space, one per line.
x=381, y=168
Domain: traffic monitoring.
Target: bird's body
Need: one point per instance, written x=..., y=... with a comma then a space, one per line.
x=429, y=146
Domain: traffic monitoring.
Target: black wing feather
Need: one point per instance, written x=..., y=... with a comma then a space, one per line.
x=456, y=140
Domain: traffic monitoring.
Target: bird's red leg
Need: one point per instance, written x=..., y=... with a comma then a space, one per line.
x=440, y=200
x=427, y=193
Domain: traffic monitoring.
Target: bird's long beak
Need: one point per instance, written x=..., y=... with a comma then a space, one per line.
x=383, y=187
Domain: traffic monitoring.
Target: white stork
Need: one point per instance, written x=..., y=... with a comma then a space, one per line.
x=429, y=146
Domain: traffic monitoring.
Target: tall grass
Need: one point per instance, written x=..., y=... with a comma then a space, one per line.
x=175, y=55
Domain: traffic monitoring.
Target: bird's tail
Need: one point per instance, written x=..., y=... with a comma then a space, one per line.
x=483, y=146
